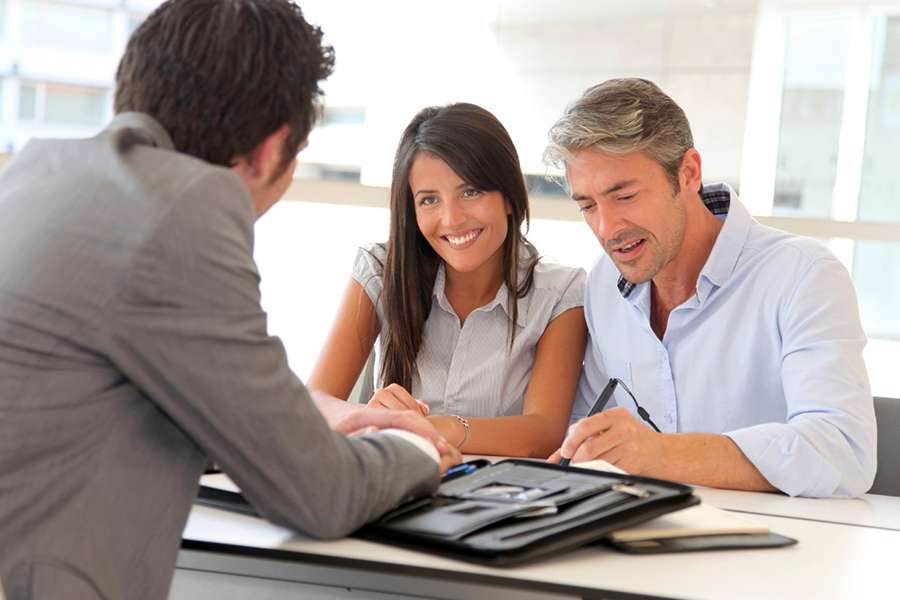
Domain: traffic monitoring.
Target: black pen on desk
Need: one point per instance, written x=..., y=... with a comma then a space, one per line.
x=601, y=401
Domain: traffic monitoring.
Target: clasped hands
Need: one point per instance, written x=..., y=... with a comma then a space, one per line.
x=615, y=436
x=394, y=407
x=395, y=397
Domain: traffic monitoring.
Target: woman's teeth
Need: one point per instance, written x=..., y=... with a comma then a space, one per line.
x=459, y=240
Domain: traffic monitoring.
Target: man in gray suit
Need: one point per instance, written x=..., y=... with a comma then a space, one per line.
x=132, y=343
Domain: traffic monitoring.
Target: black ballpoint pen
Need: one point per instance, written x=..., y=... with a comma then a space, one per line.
x=602, y=399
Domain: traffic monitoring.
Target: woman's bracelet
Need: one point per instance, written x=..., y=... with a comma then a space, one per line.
x=465, y=425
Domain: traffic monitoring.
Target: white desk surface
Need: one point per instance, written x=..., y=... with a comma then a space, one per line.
x=830, y=560
x=847, y=548
x=869, y=511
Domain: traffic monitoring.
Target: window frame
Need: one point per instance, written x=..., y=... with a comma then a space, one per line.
x=761, y=138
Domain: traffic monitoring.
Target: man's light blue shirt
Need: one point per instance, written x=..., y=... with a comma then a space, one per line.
x=767, y=351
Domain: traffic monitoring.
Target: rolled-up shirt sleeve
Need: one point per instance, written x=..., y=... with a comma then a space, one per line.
x=827, y=446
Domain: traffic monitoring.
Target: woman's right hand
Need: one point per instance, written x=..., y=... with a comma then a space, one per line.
x=395, y=397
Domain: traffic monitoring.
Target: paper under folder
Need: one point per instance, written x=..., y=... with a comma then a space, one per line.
x=700, y=520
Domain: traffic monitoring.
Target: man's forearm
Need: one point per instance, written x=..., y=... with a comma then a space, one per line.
x=332, y=408
x=707, y=459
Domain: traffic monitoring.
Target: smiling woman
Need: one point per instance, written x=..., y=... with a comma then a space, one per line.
x=465, y=226
x=476, y=331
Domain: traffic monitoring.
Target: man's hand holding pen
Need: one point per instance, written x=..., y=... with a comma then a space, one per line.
x=615, y=436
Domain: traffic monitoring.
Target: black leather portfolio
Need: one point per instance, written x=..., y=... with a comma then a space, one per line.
x=513, y=511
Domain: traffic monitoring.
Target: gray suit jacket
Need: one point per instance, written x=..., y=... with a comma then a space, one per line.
x=132, y=348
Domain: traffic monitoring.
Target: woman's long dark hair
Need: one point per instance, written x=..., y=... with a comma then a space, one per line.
x=479, y=150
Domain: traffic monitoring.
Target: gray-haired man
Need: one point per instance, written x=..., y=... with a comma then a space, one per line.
x=741, y=343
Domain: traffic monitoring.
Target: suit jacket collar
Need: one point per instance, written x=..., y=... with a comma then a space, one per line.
x=144, y=126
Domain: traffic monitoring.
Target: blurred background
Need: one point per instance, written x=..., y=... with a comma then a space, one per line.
x=794, y=103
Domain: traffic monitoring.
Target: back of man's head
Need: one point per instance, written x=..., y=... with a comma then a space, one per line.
x=222, y=75
x=620, y=116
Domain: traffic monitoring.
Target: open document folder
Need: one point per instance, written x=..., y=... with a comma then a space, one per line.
x=513, y=511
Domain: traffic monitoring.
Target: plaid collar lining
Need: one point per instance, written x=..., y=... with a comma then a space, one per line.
x=717, y=199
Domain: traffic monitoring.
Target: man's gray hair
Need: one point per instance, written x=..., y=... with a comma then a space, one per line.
x=620, y=116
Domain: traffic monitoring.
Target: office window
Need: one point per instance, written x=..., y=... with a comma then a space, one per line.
x=876, y=273
x=3, y=8
x=346, y=174
x=344, y=116
x=27, y=101
x=328, y=172
x=57, y=104
x=68, y=27
x=541, y=185
x=880, y=188
x=815, y=65
x=69, y=105
x=833, y=133
x=133, y=22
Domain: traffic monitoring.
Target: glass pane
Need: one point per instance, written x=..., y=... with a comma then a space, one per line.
x=881, y=178
x=74, y=106
x=73, y=28
x=876, y=273
x=27, y=100
x=347, y=174
x=815, y=63
x=541, y=185
x=344, y=116
x=134, y=20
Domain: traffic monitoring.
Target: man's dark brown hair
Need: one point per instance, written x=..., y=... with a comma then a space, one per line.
x=222, y=75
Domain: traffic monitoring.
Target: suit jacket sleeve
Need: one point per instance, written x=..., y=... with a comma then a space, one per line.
x=189, y=331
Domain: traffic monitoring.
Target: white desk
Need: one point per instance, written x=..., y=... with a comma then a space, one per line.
x=236, y=556
x=869, y=511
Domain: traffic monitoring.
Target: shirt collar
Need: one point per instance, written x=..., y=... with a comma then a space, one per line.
x=145, y=126
x=729, y=243
x=721, y=200
x=501, y=298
